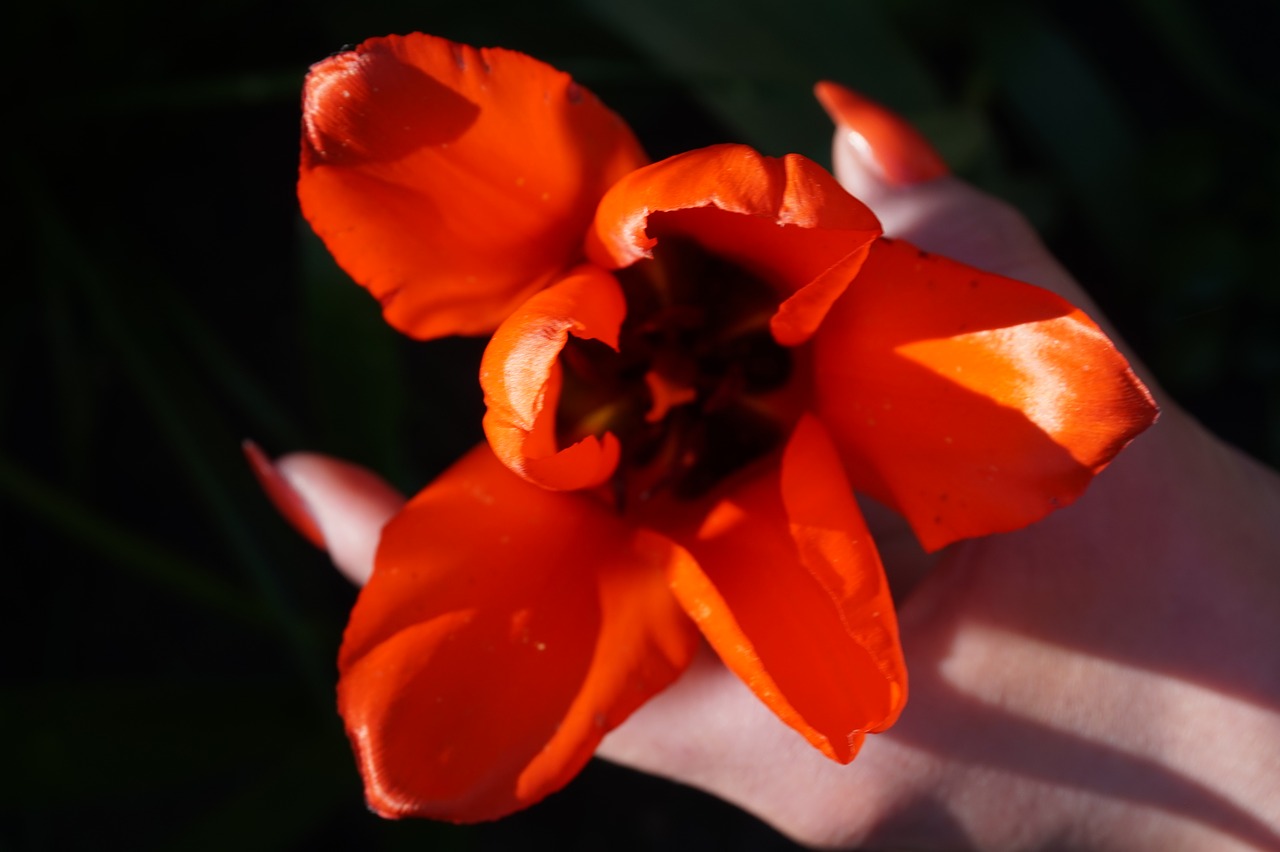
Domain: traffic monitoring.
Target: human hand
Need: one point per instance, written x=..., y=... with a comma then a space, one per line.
x=1107, y=678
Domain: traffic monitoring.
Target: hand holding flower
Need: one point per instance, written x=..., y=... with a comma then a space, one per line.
x=989, y=633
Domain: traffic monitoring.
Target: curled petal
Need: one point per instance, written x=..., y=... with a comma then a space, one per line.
x=785, y=220
x=450, y=181
x=971, y=403
x=505, y=630
x=786, y=585
x=521, y=380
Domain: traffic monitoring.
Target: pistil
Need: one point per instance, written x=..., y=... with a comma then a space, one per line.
x=691, y=392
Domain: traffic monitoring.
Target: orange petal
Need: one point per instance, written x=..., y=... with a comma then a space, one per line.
x=521, y=380
x=786, y=585
x=785, y=220
x=505, y=630
x=970, y=402
x=450, y=181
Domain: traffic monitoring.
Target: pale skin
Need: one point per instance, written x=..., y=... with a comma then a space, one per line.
x=1108, y=678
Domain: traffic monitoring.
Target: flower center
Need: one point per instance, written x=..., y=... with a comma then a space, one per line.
x=697, y=388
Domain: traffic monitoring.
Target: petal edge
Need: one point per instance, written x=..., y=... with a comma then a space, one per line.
x=453, y=182
x=505, y=630
x=520, y=375
x=969, y=402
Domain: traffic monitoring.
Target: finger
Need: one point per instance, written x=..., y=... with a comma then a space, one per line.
x=336, y=504
x=887, y=164
x=892, y=168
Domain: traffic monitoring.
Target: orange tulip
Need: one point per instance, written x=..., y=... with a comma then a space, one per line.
x=694, y=365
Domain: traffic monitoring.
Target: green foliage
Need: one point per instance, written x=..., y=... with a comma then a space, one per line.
x=170, y=643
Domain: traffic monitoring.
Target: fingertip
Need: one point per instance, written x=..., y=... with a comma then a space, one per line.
x=350, y=505
x=886, y=163
x=288, y=502
x=890, y=167
x=878, y=140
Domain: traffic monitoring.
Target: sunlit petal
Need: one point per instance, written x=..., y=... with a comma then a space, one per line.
x=521, y=381
x=505, y=630
x=451, y=181
x=786, y=585
x=785, y=220
x=971, y=403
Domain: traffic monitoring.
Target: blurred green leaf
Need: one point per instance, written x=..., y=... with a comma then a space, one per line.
x=242, y=90
x=286, y=800
x=185, y=418
x=1184, y=32
x=1065, y=103
x=103, y=741
x=355, y=375
x=753, y=64
x=67, y=352
x=134, y=552
x=229, y=373
x=960, y=133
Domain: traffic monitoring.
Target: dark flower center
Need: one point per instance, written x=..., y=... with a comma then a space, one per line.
x=692, y=392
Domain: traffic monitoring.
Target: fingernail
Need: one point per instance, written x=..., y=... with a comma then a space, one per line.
x=891, y=146
x=287, y=501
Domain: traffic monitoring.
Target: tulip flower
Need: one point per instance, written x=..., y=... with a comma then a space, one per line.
x=694, y=366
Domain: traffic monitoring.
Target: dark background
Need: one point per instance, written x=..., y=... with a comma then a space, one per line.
x=169, y=643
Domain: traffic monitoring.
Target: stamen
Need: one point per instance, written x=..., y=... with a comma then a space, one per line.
x=692, y=391
x=666, y=395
